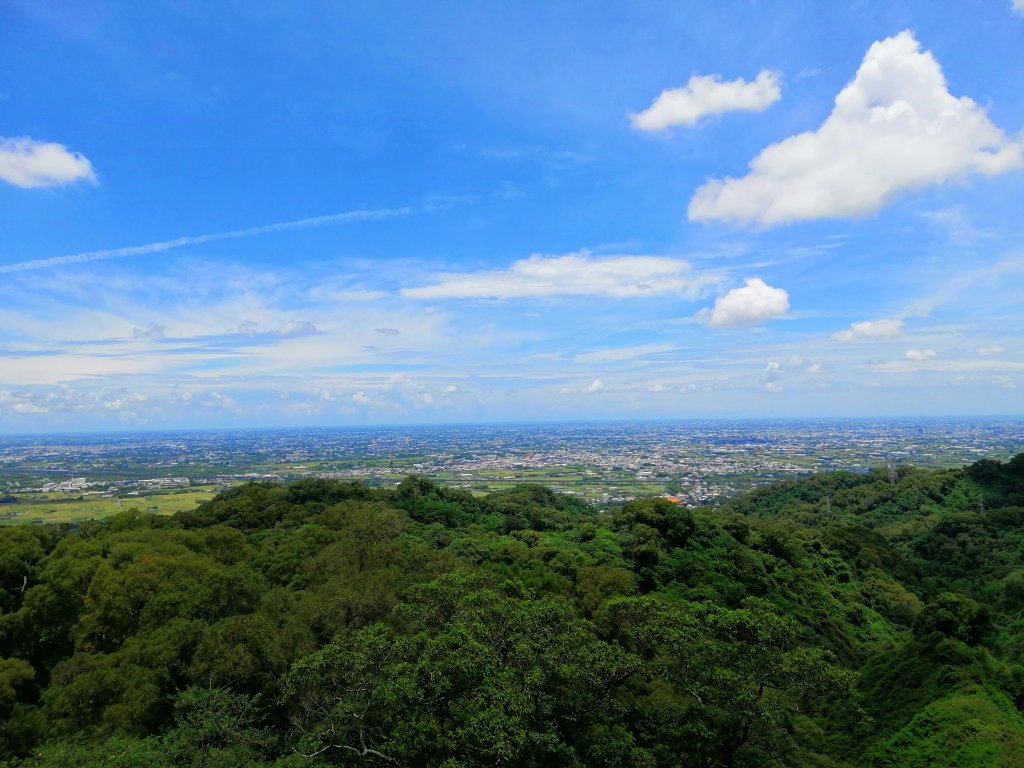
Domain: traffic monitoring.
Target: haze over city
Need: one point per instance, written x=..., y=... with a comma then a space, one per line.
x=278, y=214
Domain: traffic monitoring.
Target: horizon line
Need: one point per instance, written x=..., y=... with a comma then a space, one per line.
x=509, y=423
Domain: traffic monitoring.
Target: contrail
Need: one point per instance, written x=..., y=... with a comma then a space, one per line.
x=166, y=245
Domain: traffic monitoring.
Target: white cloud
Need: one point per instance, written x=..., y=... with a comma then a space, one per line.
x=296, y=328
x=151, y=331
x=27, y=408
x=217, y=400
x=895, y=126
x=920, y=354
x=448, y=389
x=708, y=95
x=772, y=386
x=59, y=366
x=870, y=329
x=125, y=401
x=993, y=349
x=755, y=302
x=387, y=331
x=303, y=409
x=1018, y=6
x=595, y=386
x=575, y=274
x=362, y=398
x=19, y=402
x=358, y=295
x=818, y=369
x=949, y=366
x=25, y=162
x=818, y=374
x=1005, y=381
x=623, y=353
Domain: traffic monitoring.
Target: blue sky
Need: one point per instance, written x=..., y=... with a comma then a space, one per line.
x=274, y=213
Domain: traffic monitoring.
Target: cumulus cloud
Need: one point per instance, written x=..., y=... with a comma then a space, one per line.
x=993, y=349
x=708, y=95
x=818, y=375
x=1018, y=6
x=217, y=400
x=362, y=398
x=595, y=386
x=20, y=403
x=125, y=401
x=27, y=163
x=895, y=126
x=870, y=329
x=755, y=302
x=920, y=354
x=574, y=274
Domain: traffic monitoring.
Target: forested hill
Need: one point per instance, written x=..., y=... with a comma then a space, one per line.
x=839, y=620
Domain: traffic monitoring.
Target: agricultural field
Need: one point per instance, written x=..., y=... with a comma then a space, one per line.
x=67, y=508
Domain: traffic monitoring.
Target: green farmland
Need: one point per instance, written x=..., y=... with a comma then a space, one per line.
x=68, y=508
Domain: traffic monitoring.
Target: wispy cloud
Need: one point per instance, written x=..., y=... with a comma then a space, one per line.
x=296, y=328
x=985, y=280
x=615, y=354
x=949, y=366
x=151, y=331
x=556, y=159
x=166, y=245
x=574, y=274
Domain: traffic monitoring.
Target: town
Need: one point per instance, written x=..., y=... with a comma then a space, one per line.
x=61, y=478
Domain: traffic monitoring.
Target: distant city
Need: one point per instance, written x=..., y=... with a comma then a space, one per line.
x=62, y=478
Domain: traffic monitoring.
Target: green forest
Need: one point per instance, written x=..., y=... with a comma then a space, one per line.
x=842, y=619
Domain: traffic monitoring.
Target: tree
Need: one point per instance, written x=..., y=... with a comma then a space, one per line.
x=476, y=674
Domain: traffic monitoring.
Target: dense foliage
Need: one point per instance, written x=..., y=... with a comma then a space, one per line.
x=838, y=620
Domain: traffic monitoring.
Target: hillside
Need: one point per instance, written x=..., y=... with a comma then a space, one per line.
x=839, y=620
